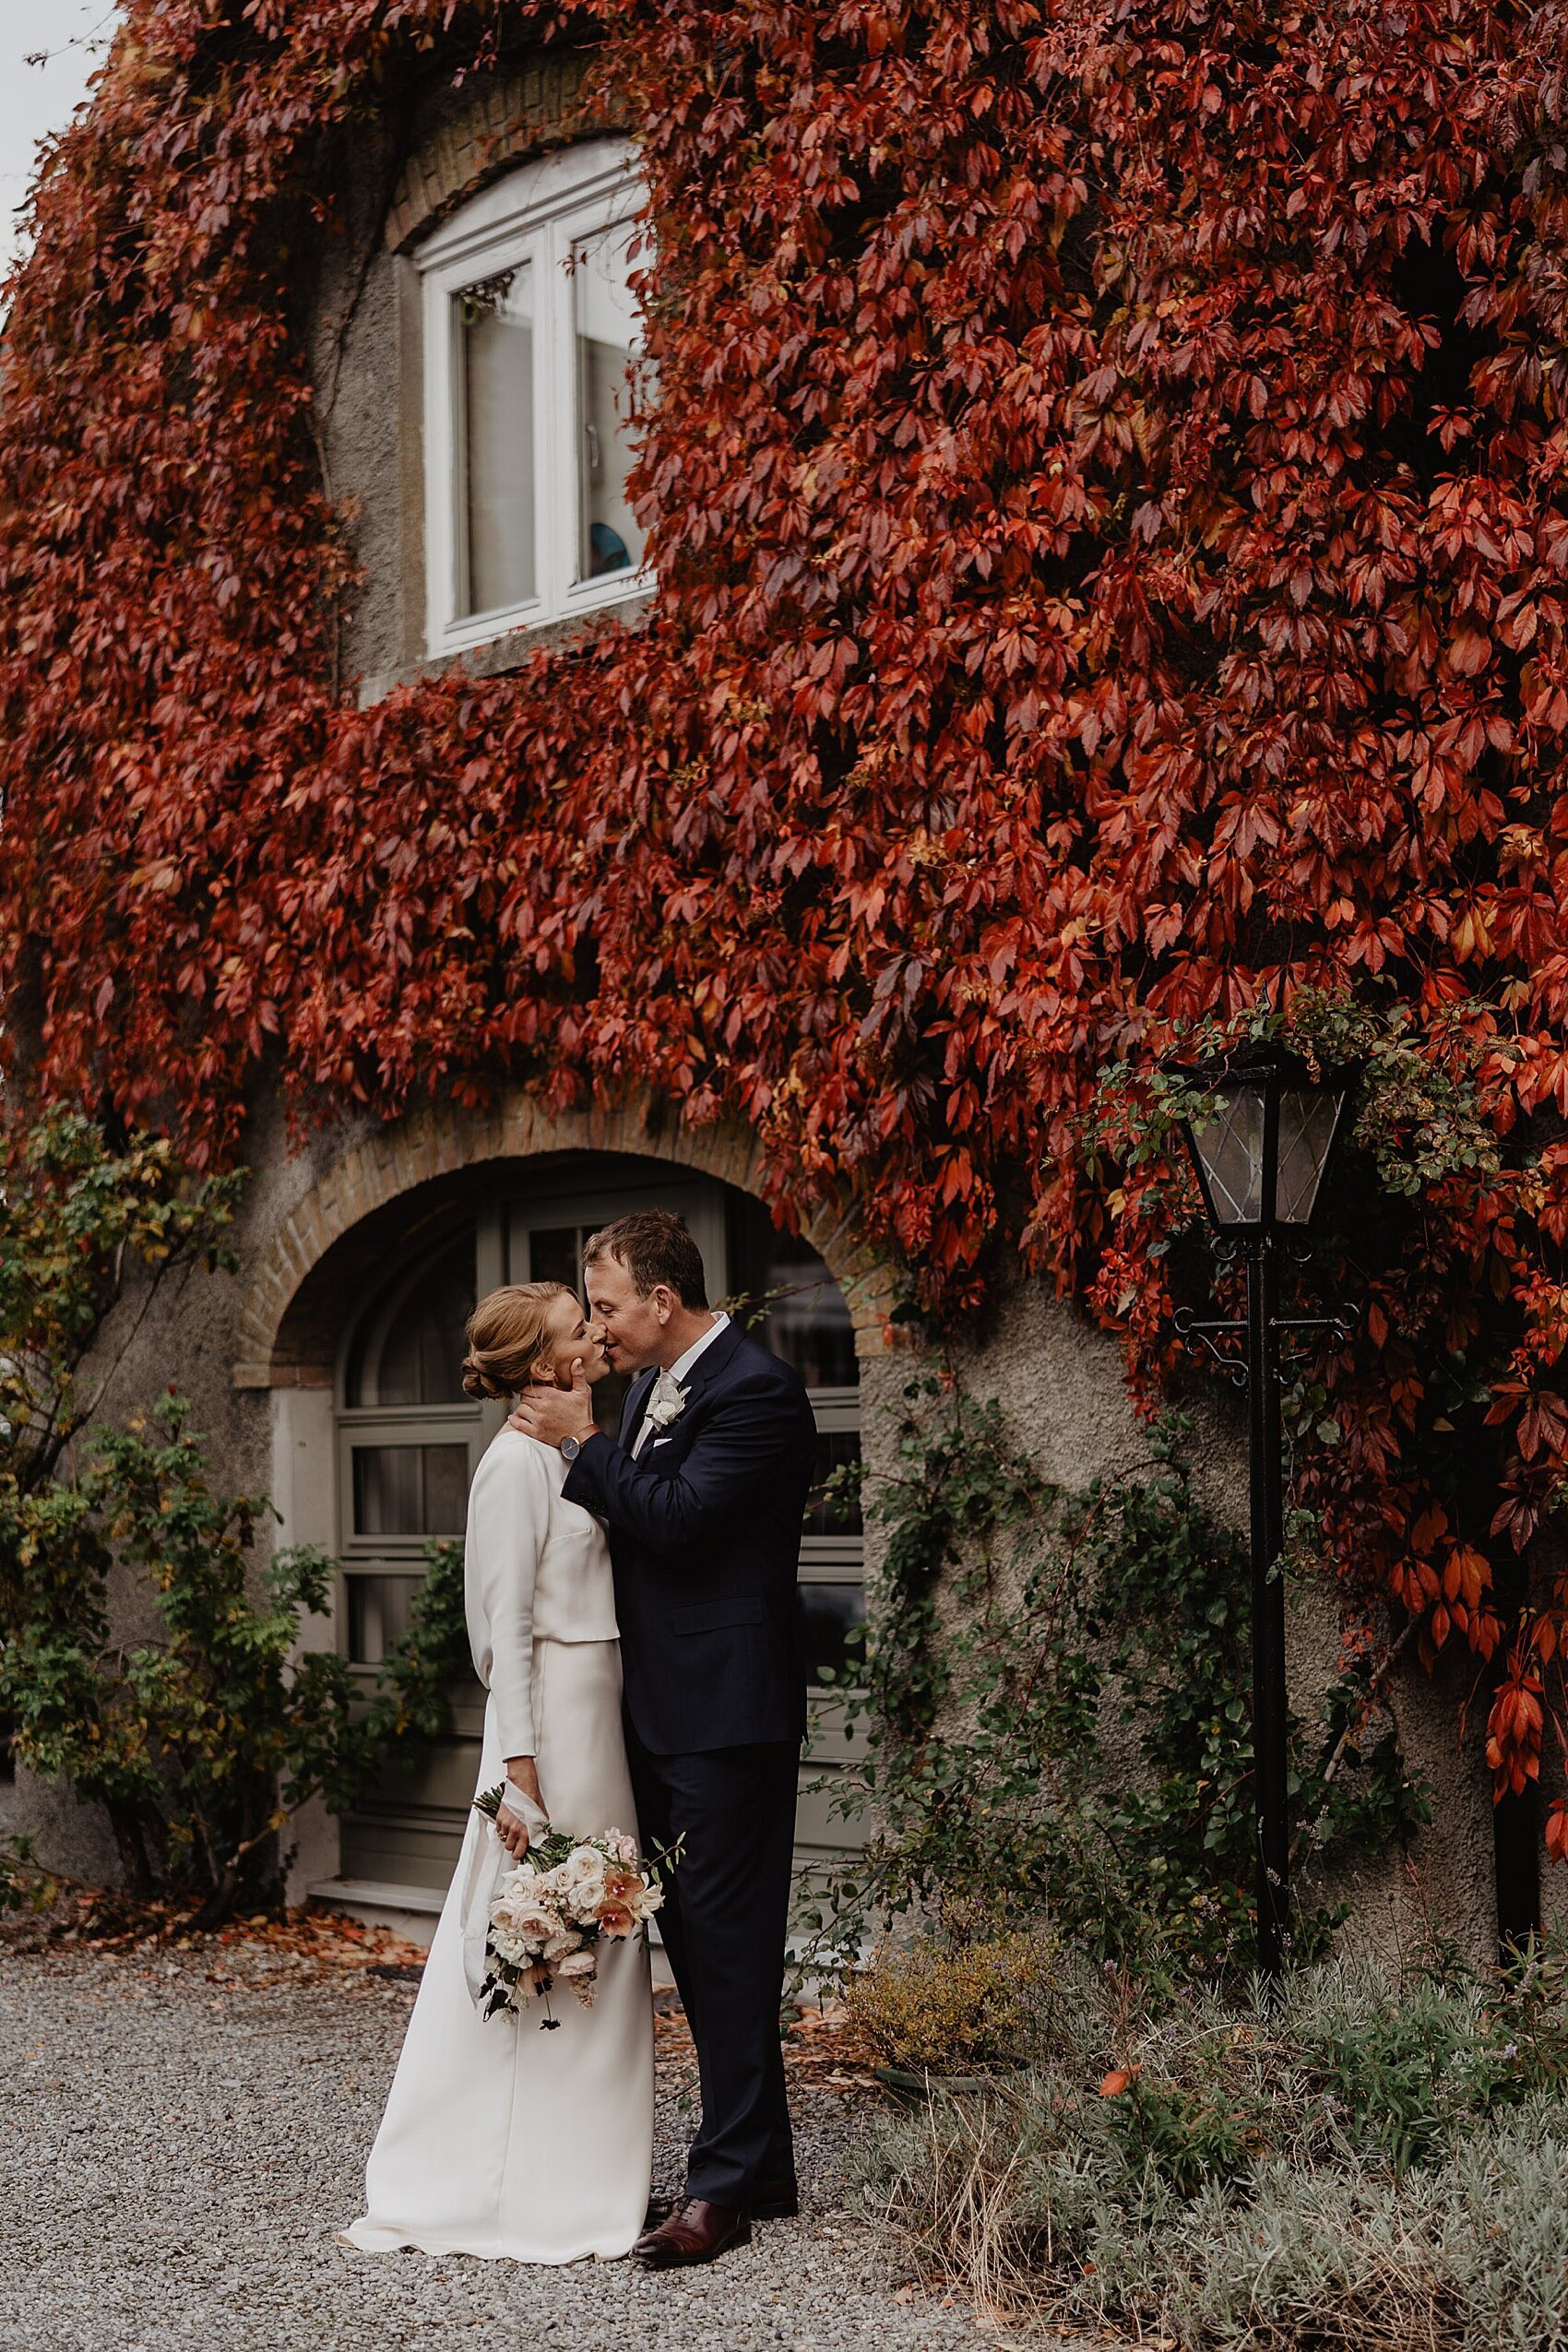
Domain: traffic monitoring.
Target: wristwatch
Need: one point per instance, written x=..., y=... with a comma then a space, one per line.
x=570, y=1448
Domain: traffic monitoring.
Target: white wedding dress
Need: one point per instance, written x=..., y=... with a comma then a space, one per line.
x=499, y=2139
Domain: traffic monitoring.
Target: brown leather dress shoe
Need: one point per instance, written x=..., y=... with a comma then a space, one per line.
x=695, y=2232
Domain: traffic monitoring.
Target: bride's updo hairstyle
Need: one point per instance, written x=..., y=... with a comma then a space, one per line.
x=508, y=1334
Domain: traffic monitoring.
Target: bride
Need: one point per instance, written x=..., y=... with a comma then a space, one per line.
x=500, y=2139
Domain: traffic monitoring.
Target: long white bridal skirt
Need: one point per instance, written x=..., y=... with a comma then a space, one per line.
x=498, y=2139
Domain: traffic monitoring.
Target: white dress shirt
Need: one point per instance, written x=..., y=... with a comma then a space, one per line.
x=535, y=1568
x=679, y=1371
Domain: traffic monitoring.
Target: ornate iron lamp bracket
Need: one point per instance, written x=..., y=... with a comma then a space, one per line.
x=1194, y=1332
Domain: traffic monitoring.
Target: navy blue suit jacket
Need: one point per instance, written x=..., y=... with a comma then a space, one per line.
x=705, y=1537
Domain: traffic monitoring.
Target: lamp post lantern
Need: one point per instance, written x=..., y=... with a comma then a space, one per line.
x=1260, y=1152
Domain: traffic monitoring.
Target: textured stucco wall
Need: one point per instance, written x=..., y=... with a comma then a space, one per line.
x=368, y=416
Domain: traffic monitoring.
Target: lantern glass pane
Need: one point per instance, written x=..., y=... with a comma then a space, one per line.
x=1308, y=1116
x=1230, y=1149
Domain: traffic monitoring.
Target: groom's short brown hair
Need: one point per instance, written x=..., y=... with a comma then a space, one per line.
x=654, y=1246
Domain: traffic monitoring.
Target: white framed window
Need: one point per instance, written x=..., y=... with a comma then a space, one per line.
x=531, y=347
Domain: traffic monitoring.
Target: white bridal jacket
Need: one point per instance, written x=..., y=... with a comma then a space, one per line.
x=535, y=1569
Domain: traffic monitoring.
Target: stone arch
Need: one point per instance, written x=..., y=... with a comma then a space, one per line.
x=505, y=117
x=283, y=1346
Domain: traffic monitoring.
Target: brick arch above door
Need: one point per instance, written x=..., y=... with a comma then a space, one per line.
x=279, y=1348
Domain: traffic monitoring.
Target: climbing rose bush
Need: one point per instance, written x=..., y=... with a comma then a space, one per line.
x=1106, y=486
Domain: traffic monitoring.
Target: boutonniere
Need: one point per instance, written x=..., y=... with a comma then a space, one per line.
x=667, y=1403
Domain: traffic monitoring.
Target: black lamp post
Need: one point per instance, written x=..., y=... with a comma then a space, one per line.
x=1260, y=1154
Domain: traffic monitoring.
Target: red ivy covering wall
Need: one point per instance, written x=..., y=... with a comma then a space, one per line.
x=1108, y=497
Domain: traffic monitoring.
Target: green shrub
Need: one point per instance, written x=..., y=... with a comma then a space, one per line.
x=947, y=2009
x=1055, y=1703
x=203, y=1738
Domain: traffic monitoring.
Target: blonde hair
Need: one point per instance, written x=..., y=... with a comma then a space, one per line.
x=508, y=1334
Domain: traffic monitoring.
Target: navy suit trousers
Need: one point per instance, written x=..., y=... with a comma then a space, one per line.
x=724, y=1922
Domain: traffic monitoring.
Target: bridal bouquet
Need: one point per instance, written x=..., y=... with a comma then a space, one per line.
x=549, y=1915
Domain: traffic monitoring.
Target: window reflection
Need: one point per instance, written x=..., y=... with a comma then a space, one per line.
x=495, y=323
x=409, y=1349
x=556, y=1254
x=832, y=1507
x=608, y=336
x=804, y=1317
x=830, y=1617
x=411, y=1490
x=379, y=1609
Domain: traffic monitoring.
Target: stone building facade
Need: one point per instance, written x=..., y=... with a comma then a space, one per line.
x=325, y=1371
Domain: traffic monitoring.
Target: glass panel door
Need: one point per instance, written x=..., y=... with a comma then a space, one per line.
x=550, y=1233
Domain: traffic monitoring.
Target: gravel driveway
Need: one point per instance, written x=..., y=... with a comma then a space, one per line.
x=181, y=2136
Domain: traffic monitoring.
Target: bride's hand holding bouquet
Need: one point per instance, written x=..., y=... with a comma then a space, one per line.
x=520, y=1811
x=550, y=1915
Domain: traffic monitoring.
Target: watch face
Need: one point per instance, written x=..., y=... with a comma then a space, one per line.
x=571, y=1447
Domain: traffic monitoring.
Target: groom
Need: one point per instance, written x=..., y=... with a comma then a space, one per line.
x=704, y=1494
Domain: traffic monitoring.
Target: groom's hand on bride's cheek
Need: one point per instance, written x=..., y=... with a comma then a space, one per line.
x=551, y=1414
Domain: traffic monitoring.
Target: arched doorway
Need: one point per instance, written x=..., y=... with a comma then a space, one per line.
x=407, y=1441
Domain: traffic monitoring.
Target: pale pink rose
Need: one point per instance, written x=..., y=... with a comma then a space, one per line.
x=577, y=1965
x=535, y=1921
x=624, y=1848
x=559, y=1945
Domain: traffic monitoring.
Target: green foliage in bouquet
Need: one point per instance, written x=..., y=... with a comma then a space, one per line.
x=202, y=1732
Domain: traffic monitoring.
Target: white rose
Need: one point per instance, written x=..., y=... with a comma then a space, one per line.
x=584, y=1883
